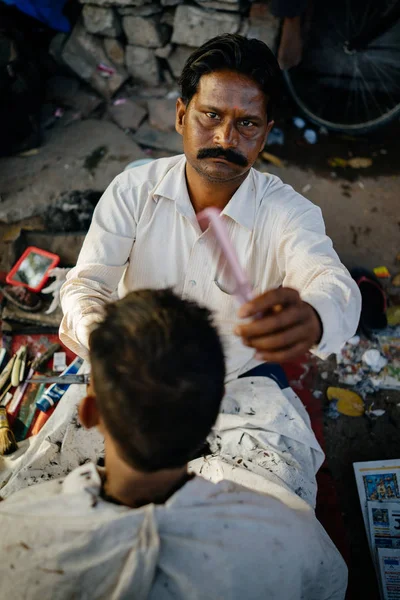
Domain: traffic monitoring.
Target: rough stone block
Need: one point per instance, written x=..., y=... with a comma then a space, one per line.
x=115, y=51
x=69, y=92
x=101, y=21
x=56, y=46
x=62, y=90
x=117, y=3
x=153, y=138
x=168, y=16
x=127, y=114
x=193, y=26
x=141, y=11
x=178, y=58
x=162, y=113
x=85, y=103
x=266, y=30
x=163, y=52
x=142, y=64
x=217, y=5
x=146, y=31
x=85, y=55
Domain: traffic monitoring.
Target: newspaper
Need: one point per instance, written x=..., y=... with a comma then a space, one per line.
x=389, y=568
x=378, y=484
x=377, y=481
x=384, y=524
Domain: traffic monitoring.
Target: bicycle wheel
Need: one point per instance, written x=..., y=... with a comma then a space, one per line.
x=344, y=89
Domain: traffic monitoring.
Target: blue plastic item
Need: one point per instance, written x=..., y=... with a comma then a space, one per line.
x=310, y=136
x=46, y=11
x=276, y=136
x=55, y=392
x=299, y=122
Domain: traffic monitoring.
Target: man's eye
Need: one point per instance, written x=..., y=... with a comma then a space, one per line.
x=212, y=115
x=246, y=123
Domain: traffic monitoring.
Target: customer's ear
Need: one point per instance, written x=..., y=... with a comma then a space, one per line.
x=88, y=413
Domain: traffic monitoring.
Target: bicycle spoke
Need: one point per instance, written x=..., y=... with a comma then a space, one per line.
x=367, y=88
x=349, y=90
x=348, y=19
x=335, y=26
x=378, y=70
x=367, y=15
x=390, y=71
x=349, y=96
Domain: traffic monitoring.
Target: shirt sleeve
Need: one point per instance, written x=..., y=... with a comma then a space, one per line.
x=311, y=266
x=100, y=266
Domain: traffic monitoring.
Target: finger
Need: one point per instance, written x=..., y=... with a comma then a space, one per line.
x=265, y=302
x=285, y=354
x=288, y=317
x=281, y=340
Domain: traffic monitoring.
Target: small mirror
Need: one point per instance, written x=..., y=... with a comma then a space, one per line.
x=32, y=269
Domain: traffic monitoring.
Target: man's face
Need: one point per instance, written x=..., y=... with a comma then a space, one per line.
x=224, y=126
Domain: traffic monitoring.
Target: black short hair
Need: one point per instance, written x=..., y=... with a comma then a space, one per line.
x=158, y=374
x=233, y=52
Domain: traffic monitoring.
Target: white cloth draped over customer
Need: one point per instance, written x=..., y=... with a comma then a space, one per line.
x=61, y=539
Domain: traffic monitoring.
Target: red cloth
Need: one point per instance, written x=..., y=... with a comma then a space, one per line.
x=301, y=375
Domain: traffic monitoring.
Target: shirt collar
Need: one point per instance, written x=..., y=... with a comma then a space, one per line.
x=241, y=207
x=173, y=186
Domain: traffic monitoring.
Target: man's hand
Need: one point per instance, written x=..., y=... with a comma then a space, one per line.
x=284, y=326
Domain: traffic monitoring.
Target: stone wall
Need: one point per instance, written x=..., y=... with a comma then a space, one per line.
x=150, y=40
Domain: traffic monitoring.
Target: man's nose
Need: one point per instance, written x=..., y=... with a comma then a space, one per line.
x=226, y=135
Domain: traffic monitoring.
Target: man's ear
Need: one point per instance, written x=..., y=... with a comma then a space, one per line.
x=180, y=115
x=88, y=413
x=269, y=127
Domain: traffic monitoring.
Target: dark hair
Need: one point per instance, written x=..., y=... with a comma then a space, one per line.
x=158, y=371
x=234, y=52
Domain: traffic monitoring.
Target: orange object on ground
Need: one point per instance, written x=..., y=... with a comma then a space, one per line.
x=40, y=420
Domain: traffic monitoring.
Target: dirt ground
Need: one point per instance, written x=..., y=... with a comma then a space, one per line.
x=362, y=214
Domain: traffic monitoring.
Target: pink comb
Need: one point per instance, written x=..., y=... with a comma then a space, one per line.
x=212, y=216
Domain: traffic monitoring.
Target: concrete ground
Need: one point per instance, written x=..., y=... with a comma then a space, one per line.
x=362, y=215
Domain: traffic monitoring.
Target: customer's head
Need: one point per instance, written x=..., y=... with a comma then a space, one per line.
x=158, y=376
x=230, y=87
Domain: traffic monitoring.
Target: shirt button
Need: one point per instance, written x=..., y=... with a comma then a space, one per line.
x=192, y=282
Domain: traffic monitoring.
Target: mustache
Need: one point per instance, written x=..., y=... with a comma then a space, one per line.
x=231, y=155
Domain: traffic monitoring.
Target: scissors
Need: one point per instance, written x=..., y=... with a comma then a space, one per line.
x=82, y=378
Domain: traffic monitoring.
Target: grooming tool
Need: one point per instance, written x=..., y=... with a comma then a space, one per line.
x=243, y=290
x=7, y=439
x=19, y=394
x=212, y=216
x=3, y=353
x=40, y=362
x=19, y=357
x=6, y=373
x=5, y=396
x=82, y=378
x=55, y=392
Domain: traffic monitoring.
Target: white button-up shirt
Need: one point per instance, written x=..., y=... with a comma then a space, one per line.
x=144, y=234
